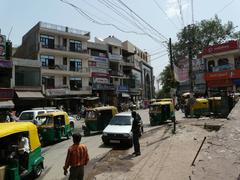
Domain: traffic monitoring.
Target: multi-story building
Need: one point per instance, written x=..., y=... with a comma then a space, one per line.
x=99, y=68
x=63, y=54
x=223, y=67
x=6, y=92
x=26, y=82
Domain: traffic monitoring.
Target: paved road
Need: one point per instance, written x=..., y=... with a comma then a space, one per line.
x=55, y=154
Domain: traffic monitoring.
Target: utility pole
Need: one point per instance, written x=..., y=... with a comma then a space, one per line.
x=172, y=73
x=190, y=58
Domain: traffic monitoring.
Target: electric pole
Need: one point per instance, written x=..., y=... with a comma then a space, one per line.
x=172, y=73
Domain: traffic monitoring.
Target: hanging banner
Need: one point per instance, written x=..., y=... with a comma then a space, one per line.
x=181, y=72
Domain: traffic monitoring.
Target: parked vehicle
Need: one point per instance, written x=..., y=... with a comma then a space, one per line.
x=98, y=118
x=54, y=126
x=200, y=108
x=160, y=112
x=215, y=106
x=118, y=131
x=30, y=115
x=14, y=163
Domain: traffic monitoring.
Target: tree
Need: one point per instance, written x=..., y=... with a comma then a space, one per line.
x=198, y=36
x=167, y=82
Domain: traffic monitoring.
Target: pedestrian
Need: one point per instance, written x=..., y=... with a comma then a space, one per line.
x=77, y=158
x=136, y=132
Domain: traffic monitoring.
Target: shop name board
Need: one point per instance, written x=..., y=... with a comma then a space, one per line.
x=98, y=64
x=6, y=64
x=6, y=93
x=99, y=70
x=56, y=92
x=101, y=80
x=101, y=59
x=231, y=45
x=103, y=87
x=96, y=74
x=231, y=74
x=122, y=88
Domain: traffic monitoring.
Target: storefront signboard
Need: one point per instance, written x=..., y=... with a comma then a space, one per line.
x=231, y=45
x=6, y=93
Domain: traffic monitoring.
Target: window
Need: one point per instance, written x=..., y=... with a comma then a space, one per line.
x=75, y=46
x=47, y=41
x=64, y=61
x=222, y=62
x=47, y=61
x=237, y=62
x=75, y=83
x=65, y=42
x=75, y=65
x=98, y=53
x=211, y=64
x=48, y=82
x=64, y=80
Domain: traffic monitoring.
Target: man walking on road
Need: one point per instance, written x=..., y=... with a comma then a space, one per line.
x=136, y=132
x=77, y=158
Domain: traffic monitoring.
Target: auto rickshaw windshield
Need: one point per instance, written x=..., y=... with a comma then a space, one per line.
x=155, y=108
x=47, y=120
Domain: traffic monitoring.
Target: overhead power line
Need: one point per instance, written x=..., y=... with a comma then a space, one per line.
x=165, y=14
x=180, y=11
x=161, y=35
x=228, y=4
x=151, y=60
x=86, y=15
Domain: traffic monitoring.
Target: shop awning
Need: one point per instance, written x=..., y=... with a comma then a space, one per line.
x=125, y=95
x=29, y=94
x=7, y=104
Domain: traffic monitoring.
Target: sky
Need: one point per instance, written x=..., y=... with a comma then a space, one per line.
x=148, y=24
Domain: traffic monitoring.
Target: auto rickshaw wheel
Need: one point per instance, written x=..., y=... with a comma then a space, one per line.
x=38, y=170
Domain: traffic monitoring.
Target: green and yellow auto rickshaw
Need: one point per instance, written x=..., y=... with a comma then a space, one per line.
x=15, y=161
x=199, y=108
x=54, y=126
x=160, y=112
x=215, y=106
x=97, y=119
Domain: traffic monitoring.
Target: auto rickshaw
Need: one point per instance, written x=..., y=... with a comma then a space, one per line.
x=53, y=126
x=14, y=162
x=98, y=118
x=199, y=108
x=215, y=106
x=160, y=112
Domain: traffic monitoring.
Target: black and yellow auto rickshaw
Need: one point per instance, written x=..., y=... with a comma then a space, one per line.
x=160, y=112
x=54, y=126
x=215, y=106
x=17, y=161
x=97, y=119
x=199, y=107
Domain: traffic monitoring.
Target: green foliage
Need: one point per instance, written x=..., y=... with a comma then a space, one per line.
x=167, y=82
x=197, y=36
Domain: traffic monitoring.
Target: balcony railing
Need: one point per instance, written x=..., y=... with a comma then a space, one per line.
x=63, y=48
x=64, y=29
x=56, y=67
x=222, y=68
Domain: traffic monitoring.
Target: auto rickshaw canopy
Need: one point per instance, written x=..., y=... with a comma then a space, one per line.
x=164, y=100
x=7, y=129
x=54, y=114
x=200, y=103
x=102, y=108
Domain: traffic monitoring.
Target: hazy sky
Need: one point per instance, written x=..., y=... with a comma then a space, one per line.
x=162, y=15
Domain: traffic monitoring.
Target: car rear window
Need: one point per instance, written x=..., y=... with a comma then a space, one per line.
x=121, y=120
x=26, y=116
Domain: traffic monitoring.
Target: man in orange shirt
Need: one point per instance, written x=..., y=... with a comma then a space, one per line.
x=76, y=159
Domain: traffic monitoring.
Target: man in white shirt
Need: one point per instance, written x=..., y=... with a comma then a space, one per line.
x=24, y=150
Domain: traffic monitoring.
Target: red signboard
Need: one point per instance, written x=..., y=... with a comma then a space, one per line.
x=6, y=93
x=217, y=75
x=230, y=74
x=220, y=83
x=97, y=74
x=231, y=45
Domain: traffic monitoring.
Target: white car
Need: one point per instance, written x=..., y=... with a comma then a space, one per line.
x=119, y=130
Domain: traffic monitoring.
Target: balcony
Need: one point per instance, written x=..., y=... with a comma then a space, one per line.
x=63, y=70
x=56, y=67
x=115, y=57
x=222, y=68
x=64, y=29
x=62, y=91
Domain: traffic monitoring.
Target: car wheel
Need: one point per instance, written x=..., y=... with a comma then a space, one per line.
x=38, y=170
